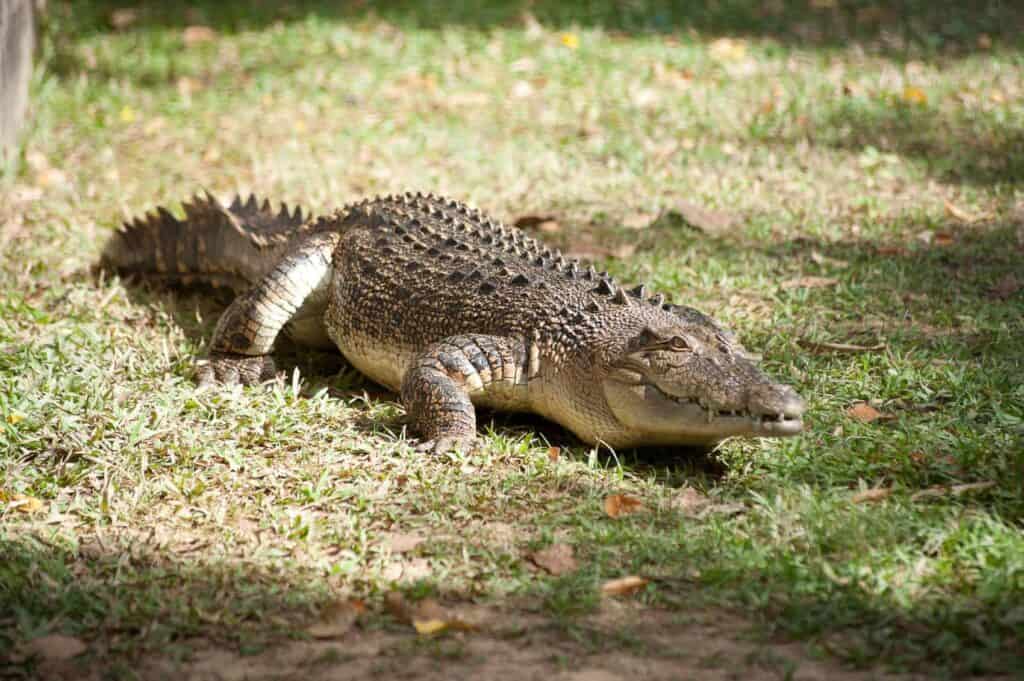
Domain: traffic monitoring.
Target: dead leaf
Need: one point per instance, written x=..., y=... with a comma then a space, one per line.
x=56, y=647
x=914, y=95
x=960, y=214
x=542, y=223
x=952, y=490
x=429, y=627
x=337, y=619
x=553, y=453
x=124, y=17
x=20, y=502
x=402, y=542
x=556, y=559
x=618, y=505
x=624, y=586
x=808, y=282
x=943, y=239
x=819, y=259
x=688, y=501
x=1005, y=287
x=863, y=412
x=704, y=219
x=428, y=617
x=193, y=35
x=871, y=495
x=827, y=346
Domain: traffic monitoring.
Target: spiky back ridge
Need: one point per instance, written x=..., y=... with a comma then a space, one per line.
x=420, y=268
x=475, y=250
x=418, y=238
x=230, y=246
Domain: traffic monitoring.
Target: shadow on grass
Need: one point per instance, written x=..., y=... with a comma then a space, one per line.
x=973, y=146
x=900, y=28
x=134, y=605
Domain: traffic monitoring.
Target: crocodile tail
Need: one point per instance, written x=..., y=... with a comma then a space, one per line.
x=233, y=246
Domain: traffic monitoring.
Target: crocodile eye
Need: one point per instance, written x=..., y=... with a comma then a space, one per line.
x=678, y=343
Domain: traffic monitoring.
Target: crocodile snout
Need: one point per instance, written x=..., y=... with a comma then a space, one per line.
x=778, y=406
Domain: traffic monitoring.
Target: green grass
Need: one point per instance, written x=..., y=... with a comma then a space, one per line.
x=173, y=516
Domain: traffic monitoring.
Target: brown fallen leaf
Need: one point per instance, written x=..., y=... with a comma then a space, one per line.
x=618, y=505
x=871, y=495
x=827, y=346
x=864, y=412
x=542, y=223
x=1005, y=288
x=819, y=259
x=193, y=35
x=809, y=282
x=952, y=490
x=688, y=501
x=56, y=647
x=556, y=559
x=402, y=542
x=20, y=502
x=960, y=214
x=553, y=453
x=704, y=219
x=624, y=586
x=337, y=619
x=943, y=239
x=428, y=617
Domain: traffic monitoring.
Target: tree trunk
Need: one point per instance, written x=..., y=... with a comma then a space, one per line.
x=17, y=38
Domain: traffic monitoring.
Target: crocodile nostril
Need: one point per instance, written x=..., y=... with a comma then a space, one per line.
x=775, y=400
x=793, y=406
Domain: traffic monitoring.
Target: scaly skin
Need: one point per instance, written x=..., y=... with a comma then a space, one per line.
x=454, y=310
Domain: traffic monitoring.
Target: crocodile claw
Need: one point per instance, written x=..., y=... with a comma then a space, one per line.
x=460, y=444
x=226, y=368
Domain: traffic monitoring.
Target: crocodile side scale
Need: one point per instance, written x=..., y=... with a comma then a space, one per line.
x=453, y=310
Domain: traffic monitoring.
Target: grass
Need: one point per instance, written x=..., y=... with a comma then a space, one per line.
x=172, y=517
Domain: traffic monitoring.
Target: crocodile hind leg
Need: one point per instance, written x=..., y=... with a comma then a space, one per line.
x=443, y=382
x=245, y=335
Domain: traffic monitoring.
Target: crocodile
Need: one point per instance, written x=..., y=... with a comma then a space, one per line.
x=453, y=310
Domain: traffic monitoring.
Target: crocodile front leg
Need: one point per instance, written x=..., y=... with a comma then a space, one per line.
x=445, y=380
x=245, y=335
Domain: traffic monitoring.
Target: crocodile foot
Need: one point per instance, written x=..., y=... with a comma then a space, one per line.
x=460, y=444
x=227, y=368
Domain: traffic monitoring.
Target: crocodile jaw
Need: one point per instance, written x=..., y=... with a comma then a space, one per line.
x=648, y=414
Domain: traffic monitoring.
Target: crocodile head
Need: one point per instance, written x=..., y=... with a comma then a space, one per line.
x=682, y=379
